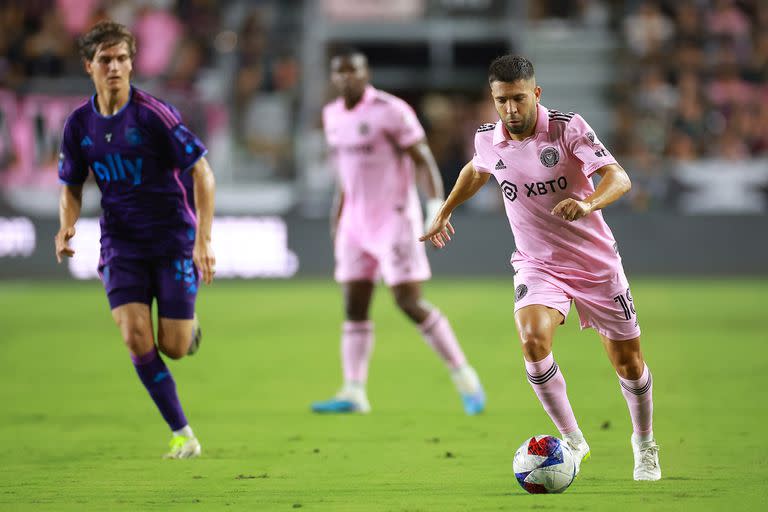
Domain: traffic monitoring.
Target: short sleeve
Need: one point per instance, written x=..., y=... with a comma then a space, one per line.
x=406, y=128
x=480, y=159
x=586, y=147
x=73, y=169
x=184, y=147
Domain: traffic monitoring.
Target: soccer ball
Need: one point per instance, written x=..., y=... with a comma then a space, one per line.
x=544, y=464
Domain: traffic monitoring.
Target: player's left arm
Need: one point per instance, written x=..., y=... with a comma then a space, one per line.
x=204, y=187
x=428, y=176
x=614, y=183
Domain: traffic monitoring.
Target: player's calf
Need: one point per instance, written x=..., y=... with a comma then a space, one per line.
x=176, y=336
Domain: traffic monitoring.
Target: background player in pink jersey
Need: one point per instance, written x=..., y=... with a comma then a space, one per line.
x=379, y=150
x=565, y=252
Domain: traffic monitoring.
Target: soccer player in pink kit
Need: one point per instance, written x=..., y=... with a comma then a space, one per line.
x=543, y=161
x=378, y=147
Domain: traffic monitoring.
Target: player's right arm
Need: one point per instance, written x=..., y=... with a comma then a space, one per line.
x=73, y=170
x=336, y=206
x=469, y=182
x=70, y=204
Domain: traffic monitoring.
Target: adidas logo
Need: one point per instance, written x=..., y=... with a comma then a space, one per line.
x=500, y=165
x=86, y=141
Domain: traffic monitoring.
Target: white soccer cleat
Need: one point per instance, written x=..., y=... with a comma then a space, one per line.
x=646, y=459
x=183, y=447
x=579, y=450
x=351, y=399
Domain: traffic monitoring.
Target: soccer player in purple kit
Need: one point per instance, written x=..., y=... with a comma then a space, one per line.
x=379, y=151
x=157, y=197
x=543, y=161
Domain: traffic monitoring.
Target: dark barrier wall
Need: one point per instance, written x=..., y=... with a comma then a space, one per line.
x=657, y=244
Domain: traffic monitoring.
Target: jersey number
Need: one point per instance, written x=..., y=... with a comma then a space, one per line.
x=627, y=305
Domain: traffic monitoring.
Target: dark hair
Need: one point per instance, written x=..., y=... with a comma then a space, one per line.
x=510, y=68
x=105, y=34
x=347, y=52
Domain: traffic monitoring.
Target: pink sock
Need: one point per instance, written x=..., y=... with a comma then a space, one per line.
x=549, y=384
x=438, y=334
x=356, y=348
x=639, y=396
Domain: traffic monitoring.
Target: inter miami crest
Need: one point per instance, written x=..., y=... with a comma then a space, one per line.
x=591, y=137
x=520, y=291
x=549, y=156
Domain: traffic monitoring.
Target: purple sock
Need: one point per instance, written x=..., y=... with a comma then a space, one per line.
x=157, y=378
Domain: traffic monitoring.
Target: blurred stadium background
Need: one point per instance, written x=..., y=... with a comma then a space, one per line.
x=678, y=90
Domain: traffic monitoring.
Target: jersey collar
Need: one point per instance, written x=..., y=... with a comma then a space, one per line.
x=96, y=111
x=369, y=93
x=501, y=135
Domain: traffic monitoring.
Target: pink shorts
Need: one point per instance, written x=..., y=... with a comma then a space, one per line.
x=397, y=257
x=607, y=307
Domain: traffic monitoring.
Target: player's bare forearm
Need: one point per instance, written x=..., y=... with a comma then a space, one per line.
x=336, y=206
x=467, y=185
x=70, y=205
x=205, y=187
x=427, y=172
x=614, y=183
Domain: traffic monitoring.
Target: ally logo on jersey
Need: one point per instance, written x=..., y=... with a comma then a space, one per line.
x=116, y=167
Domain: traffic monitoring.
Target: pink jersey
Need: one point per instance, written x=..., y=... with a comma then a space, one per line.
x=376, y=175
x=555, y=163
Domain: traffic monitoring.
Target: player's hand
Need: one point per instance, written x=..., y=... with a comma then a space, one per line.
x=62, y=243
x=204, y=259
x=571, y=209
x=440, y=232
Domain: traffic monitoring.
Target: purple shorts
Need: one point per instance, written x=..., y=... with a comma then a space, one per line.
x=172, y=281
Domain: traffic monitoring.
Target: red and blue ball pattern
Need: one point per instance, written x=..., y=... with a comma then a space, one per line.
x=538, y=453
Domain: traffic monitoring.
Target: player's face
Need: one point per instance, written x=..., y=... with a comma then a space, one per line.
x=110, y=68
x=350, y=76
x=516, y=105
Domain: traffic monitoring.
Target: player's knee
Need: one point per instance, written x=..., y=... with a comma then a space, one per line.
x=137, y=336
x=355, y=312
x=536, y=341
x=629, y=366
x=410, y=306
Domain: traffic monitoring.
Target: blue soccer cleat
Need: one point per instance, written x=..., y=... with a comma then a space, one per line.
x=474, y=403
x=468, y=385
x=348, y=400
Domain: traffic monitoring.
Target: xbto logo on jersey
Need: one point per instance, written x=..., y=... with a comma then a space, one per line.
x=549, y=156
x=541, y=188
x=535, y=188
x=118, y=168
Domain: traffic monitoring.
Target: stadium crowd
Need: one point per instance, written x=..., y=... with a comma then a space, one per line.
x=691, y=77
x=695, y=80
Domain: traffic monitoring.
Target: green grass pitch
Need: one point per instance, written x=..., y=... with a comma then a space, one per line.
x=78, y=432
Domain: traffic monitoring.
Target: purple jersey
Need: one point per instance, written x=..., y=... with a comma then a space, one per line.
x=139, y=158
